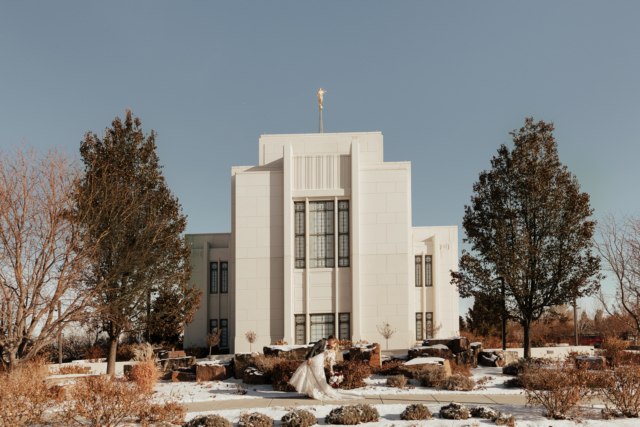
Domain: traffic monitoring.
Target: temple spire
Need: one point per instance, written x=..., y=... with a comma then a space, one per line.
x=320, y=93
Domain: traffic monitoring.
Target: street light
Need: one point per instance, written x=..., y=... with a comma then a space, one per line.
x=504, y=312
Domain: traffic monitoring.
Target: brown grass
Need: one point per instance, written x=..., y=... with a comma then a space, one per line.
x=145, y=375
x=397, y=381
x=24, y=399
x=458, y=383
x=460, y=370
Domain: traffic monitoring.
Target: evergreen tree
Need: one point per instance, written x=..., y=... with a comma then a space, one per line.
x=485, y=317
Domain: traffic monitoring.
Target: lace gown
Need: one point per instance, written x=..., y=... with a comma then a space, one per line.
x=310, y=379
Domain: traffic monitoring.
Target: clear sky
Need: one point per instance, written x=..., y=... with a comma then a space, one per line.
x=443, y=81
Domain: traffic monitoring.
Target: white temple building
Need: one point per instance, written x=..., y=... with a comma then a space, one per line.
x=322, y=242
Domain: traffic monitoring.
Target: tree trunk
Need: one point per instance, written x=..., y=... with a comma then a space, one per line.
x=13, y=360
x=111, y=358
x=527, y=339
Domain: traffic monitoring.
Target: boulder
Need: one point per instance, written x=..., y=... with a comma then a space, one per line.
x=591, y=362
x=455, y=411
x=467, y=358
x=507, y=356
x=375, y=361
x=243, y=361
x=169, y=365
x=455, y=344
x=497, y=358
x=438, y=350
x=212, y=372
x=477, y=347
x=411, y=368
x=362, y=352
x=171, y=354
x=252, y=376
x=287, y=352
x=180, y=377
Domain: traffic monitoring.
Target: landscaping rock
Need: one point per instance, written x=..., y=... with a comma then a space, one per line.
x=252, y=376
x=287, y=352
x=507, y=356
x=171, y=354
x=169, y=365
x=212, y=373
x=477, y=348
x=439, y=350
x=591, y=362
x=455, y=411
x=455, y=344
x=375, y=361
x=243, y=361
x=180, y=377
x=362, y=352
x=467, y=358
x=497, y=358
x=484, y=412
x=410, y=369
x=62, y=379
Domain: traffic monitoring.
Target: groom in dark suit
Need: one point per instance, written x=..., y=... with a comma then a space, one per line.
x=320, y=347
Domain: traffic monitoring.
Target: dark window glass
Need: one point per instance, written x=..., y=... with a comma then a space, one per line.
x=299, y=234
x=343, y=233
x=322, y=325
x=418, y=326
x=224, y=336
x=321, y=243
x=427, y=271
x=344, y=326
x=428, y=326
x=213, y=325
x=224, y=277
x=300, y=329
x=418, y=272
x=213, y=288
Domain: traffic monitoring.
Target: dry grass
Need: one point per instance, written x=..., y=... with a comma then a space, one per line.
x=24, y=399
x=428, y=377
x=458, y=383
x=397, y=381
x=146, y=372
x=71, y=369
x=460, y=370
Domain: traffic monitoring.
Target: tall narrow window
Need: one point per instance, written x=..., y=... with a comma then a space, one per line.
x=224, y=277
x=419, y=326
x=343, y=233
x=322, y=325
x=427, y=271
x=213, y=277
x=428, y=326
x=344, y=327
x=321, y=241
x=301, y=333
x=299, y=234
x=224, y=336
x=418, y=272
x=213, y=325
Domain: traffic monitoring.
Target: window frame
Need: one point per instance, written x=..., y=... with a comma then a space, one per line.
x=418, y=274
x=224, y=277
x=428, y=325
x=299, y=236
x=300, y=320
x=419, y=326
x=321, y=234
x=213, y=287
x=312, y=323
x=344, y=228
x=224, y=336
x=342, y=322
x=428, y=271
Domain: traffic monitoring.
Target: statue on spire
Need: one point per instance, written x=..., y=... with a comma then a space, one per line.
x=320, y=93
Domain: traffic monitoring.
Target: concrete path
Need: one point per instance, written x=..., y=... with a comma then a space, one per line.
x=388, y=399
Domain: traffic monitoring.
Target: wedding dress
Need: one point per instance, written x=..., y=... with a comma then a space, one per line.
x=310, y=380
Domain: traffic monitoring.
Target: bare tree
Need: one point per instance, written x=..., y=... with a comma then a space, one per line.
x=213, y=339
x=44, y=252
x=251, y=337
x=386, y=331
x=618, y=243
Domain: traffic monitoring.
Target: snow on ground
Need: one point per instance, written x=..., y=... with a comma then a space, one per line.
x=390, y=416
x=376, y=384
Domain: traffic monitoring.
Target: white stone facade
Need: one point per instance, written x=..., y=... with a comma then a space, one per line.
x=357, y=258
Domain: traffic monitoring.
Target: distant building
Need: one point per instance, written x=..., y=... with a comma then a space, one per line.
x=322, y=243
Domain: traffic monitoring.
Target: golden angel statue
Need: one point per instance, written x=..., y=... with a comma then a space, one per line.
x=320, y=93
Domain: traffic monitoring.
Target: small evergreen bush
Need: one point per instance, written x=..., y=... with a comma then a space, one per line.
x=484, y=412
x=298, y=418
x=505, y=419
x=455, y=411
x=416, y=412
x=255, y=419
x=209, y=421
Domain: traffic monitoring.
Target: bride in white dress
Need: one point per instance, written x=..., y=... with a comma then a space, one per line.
x=310, y=379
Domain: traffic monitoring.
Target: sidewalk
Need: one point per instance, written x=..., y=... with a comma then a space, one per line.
x=379, y=399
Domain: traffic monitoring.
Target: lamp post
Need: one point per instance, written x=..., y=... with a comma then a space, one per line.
x=504, y=312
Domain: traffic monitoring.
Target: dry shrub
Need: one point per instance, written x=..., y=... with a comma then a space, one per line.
x=24, y=399
x=397, y=381
x=354, y=373
x=198, y=352
x=455, y=411
x=614, y=350
x=255, y=419
x=484, y=412
x=124, y=352
x=266, y=364
x=299, y=418
x=281, y=342
x=514, y=382
x=488, y=341
x=157, y=413
x=416, y=412
x=389, y=367
x=460, y=370
x=343, y=415
x=368, y=414
x=72, y=369
x=505, y=419
x=558, y=387
x=621, y=392
x=344, y=344
x=282, y=373
x=429, y=377
x=94, y=353
x=209, y=421
x=145, y=375
x=458, y=383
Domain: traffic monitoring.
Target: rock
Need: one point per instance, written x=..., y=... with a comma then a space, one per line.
x=62, y=379
x=212, y=373
x=455, y=344
x=171, y=354
x=180, y=377
x=410, y=369
x=287, y=352
x=362, y=352
x=490, y=359
x=591, y=362
x=376, y=348
x=507, y=356
x=169, y=365
x=243, y=361
x=477, y=348
x=375, y=361
x=431, y=351
x=252, y=376
x=455, y=411
x=467, y=358
x=484, y=412
x=60, y=392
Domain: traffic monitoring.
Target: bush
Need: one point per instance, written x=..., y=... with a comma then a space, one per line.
x=621, y=390
x=430, y=377
x=454, y=411
x=514, y=382
x=124, y=352
x=416, y=412
x=209, y=421
x=282, y=373
x=354, y=373
x=458, y=383
x=95, y=353
x=24, y=400
x=389, y=367
x=157, y=413
x=299, y=418
x=505, y=419
x=255, y=419
x=484, y=412
x=397, y=381
x=558, y=387
x=460, y=370
x=198, y=352
x=352, y=415
x=145, y=374
x=71, y=369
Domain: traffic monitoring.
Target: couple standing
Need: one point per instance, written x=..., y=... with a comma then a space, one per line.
x=309, y=378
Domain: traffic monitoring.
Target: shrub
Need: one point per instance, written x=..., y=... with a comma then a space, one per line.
x=267, y=364
x=416, y=412
x=430, y=377
x=454, y=411
x=157, y=413
x=198, y=352
x=621, y=390
x=354, y=373
x=145, y=375
x=255, y=419
x=124, y=352
x=281, y=374
x=368, y=414
x=299, y=418
x=458, y=383
x=23, y=400
x=389, y=367
x=95, y=353
x=514, y=382
x=209, y=421
x=558, y=387
x=484, y=412
x=343, y=415
x=72, y=369
x=505, y=419
x=460, y=370
x=397, y=381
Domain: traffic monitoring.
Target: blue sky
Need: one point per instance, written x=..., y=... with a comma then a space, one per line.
x=443, y=81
